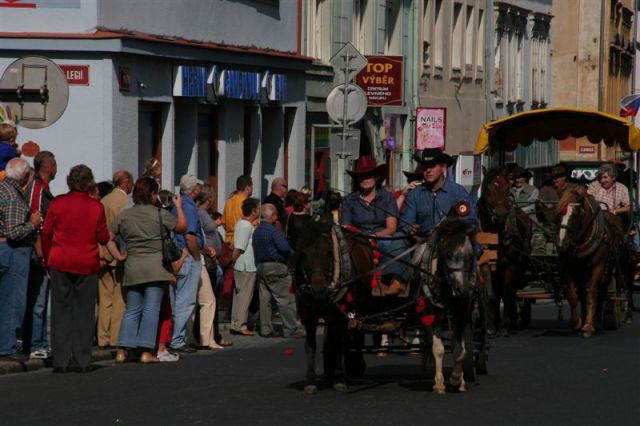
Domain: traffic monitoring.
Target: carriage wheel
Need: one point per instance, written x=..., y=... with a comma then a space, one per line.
x=354, y=364
x=525, y=314
x=610, y=315
x=468, y=364
x=481, y=361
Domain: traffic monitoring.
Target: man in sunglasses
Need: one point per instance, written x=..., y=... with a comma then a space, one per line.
x=276, y=197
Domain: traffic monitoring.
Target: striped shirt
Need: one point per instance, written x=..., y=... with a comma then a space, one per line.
x=14, y=214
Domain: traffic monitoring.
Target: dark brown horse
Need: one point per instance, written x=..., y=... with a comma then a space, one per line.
x=591, y=243
x=322, y=293
x=499, y=213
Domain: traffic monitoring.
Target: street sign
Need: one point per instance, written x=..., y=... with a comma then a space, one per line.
x=344, y=145
x=37, y=88
x=356, y=104
x=347, y=62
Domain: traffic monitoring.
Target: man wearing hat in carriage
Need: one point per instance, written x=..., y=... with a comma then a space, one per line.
x=372, y=210
x=526, y=196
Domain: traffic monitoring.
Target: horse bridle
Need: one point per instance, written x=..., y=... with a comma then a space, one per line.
x=577, y=234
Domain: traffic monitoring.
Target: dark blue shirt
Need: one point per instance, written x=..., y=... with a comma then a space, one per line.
x=368, y=218
x=427, y=208
x=193, y=222
x=270, y=244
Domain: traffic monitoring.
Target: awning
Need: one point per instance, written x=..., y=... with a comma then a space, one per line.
x=559, y=123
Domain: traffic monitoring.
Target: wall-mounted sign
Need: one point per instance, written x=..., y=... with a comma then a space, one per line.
x=382, y=80
x=431, y=126
x=190, y=81
x=239, y=85
x=275, y=86
x=76, y=74
x=124, y=80
x=41, y=4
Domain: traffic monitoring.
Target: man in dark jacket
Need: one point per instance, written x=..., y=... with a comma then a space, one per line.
x=278, y=193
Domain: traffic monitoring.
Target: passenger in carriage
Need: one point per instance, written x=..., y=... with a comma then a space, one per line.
x=612, y=195
x=524, y=194
x=373, y=210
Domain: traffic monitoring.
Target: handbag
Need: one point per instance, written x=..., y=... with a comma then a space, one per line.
x=170, y=250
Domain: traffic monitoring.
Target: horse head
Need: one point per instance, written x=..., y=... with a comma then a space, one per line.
x=496, y=200
x=457, y=266
x=571, y=213
x=314, y=262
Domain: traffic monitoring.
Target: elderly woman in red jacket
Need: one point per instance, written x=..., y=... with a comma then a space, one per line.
x=74, y=227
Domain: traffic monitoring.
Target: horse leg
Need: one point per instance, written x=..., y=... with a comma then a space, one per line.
x=572, y=297
x=591, y=300
x=340, y=382
x=509, y=314
x=437, y=349
x=310, y=344
x=459, y=352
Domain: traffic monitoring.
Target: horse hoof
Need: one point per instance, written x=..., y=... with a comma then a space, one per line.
x=462, y=388
x=310, y=389
x=340, y=387
x=439, y=391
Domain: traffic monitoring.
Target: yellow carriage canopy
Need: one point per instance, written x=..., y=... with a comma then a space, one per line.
x=559, y=123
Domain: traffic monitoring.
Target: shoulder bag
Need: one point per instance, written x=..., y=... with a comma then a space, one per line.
x=170, y=250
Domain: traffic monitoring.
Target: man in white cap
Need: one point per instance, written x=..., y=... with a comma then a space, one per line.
x=184, y=293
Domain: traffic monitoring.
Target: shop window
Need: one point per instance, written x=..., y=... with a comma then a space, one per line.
x=208, y=147
x=149, y=133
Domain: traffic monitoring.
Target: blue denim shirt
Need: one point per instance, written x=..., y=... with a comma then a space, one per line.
x=427, y=209
x=368, y=217
x=270, y=244
x=193, y=222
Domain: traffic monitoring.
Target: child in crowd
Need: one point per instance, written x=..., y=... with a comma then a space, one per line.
x=8, y=134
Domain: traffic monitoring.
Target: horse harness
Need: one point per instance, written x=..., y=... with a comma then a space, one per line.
x=598, y=234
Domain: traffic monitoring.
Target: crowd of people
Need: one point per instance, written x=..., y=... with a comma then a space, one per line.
x=102, y=247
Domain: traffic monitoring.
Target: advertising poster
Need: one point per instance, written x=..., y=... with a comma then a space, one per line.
x=382, y=80
x=430, y=128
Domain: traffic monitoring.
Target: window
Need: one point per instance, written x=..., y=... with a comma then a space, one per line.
x=427, y=28
x=364, y=26
x=480, y=48
x=468, y=42
x=539, y=57
x=393, y=45
x=319, y=29
x=456, y=39
x=438, y=35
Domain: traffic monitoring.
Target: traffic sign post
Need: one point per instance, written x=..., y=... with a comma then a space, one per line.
x=347, y=63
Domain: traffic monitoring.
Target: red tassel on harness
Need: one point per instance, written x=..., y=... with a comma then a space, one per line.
x=428, y=320
x=482, y=279
x=349, y=298
x=421, y=305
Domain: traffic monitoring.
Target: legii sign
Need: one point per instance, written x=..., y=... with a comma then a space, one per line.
x=76, y=74
x=382, y=80
x=431, y=126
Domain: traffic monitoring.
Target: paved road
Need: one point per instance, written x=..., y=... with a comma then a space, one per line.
x=544, y=375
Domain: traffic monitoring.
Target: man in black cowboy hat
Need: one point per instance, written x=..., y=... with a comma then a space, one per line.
x=429, y=203
x=525, y=195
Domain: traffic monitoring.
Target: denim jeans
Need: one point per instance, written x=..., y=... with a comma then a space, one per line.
x=183, y=299
x=139, y=326
x=14, y=276
x=391, y=249
x=35, y=321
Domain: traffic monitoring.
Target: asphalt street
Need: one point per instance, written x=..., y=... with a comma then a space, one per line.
x=544, y=375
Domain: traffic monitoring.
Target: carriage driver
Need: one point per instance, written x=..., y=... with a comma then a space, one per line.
x=373, y=210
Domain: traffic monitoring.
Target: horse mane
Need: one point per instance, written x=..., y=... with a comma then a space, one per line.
x=490, y=176
x=570, y=196
x=451, y=234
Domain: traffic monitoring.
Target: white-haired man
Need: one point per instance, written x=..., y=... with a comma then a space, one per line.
x=18, y=232
x=185, y=292
x=271, y=252
x=612, y=196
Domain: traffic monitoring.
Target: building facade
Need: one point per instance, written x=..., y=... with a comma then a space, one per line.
x=376, y=28
x=593, y=58
x=216, y=90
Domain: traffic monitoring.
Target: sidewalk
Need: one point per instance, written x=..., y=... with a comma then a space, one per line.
x=11, y=367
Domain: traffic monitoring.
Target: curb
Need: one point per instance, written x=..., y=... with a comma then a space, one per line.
x=12, y=367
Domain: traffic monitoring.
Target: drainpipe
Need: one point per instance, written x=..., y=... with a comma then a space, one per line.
x=603, y=11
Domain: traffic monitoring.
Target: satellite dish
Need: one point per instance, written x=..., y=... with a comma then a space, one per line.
x=37, y=89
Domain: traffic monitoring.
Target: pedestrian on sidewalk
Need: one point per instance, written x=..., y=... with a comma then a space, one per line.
x=244, y=267
x=145, y=276
x=74, y=227
x=18, y=232
x=272, y=252
x=35, y=339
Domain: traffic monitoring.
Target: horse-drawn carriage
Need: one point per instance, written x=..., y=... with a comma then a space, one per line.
x=593, y=247
x=337, y=280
